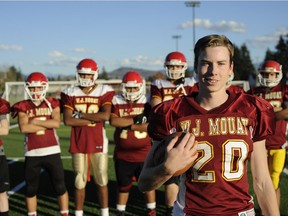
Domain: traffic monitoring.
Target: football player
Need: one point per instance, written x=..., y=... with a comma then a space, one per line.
x=130, y=111
x=229, y=129
x=176, y=85
x=86, y=107
x=38, y=118
x=270, y=75
x=4, y=174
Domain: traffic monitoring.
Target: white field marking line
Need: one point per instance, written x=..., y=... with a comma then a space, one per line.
x=19, y=187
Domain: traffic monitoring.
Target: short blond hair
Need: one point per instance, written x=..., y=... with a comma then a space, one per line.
x=212, y=41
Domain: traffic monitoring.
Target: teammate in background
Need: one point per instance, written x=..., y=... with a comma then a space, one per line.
x=270, y=75
x=176, y=85
x=38, y=118
x=86, y=107
x=4, y=174
x=129, y=115
x=224, y=135
x=233, y=88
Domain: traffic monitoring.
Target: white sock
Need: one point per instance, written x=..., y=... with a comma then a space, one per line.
x=78, y=212
x=151, y=205
x=104, y=211
x=32, y=213
x=121, y=207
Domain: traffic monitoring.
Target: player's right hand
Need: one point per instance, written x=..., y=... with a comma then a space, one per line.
x=77, y=115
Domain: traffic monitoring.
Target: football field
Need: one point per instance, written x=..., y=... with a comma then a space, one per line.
x=47, y=202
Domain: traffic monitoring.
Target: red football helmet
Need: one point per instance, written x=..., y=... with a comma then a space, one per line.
x=87, y=66
x=133, y=79
x=36, y=79
x=270, y=66
x=175, y=58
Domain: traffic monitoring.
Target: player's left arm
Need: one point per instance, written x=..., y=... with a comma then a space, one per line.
x=282, y=114
x=4, y=125
x=103, y=114
x=54, y=122
x=262, y=182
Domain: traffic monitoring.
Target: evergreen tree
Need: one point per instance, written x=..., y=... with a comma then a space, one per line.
x=243, y=66
x=103, y=75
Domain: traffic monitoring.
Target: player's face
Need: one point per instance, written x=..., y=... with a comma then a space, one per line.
x=175, y=71
x=214, y=68
x=132, y=89
x=270, y=76
x=34, y=91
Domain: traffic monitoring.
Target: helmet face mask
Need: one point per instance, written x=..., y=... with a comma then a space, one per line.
x=133, y=80
x=87, y=67
x=175, y=65
x=270, y=69
x=36, y=81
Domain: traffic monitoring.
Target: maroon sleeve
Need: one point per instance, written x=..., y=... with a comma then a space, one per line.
x=265, y=120
x=4, y=106
x=159, y=126
x=107, y=98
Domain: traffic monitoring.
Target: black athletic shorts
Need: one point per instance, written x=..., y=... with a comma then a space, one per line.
x=4, y=174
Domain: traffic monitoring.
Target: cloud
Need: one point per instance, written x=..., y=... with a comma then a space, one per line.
x=83, y=50
x=221, y=26
x=10, y=47
x=263, y=41
x=140, y=61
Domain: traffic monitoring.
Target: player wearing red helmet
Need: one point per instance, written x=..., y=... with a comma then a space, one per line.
x=86, y=107
x=38, y=118
x=132, y=143
x=270, y=75
x=176, y=85
x=4, y=174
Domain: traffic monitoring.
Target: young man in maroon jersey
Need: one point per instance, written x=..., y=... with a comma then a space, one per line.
x=132, y=142
x=270, y=75
x=228, y=128
x=176, y=85
x=38, y=118
x=4, y=174
x=86, y=107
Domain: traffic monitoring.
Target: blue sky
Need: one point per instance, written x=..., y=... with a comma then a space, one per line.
x=53, y=36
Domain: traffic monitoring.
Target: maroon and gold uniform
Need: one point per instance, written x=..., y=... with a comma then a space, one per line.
x=131, y=146
x=4, y=109
x=165, y=90
x=91, y=138
x=43, y=142
x=4, y=174
x=278, y=97
x=235, y=89
x=225, y=138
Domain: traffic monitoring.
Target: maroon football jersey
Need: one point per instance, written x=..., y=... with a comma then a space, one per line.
x=41, y=139
x=278, y=97
x=235, y=89
x=91, y=138
x=165, y=90
x=4, y=109
x=225, y=138
x=131, y=146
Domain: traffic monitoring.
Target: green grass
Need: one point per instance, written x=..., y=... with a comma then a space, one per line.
x=47, y=203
